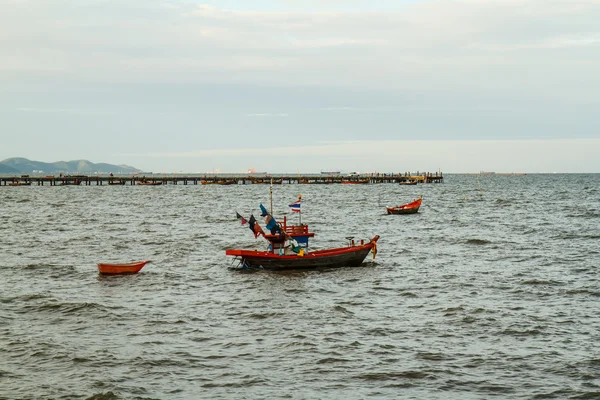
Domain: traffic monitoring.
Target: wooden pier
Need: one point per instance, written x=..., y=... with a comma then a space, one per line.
x=217, y=179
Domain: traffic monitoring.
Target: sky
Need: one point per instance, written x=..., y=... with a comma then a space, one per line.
x=303, y=85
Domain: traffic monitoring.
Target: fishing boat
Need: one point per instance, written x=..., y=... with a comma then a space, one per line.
x=349, y=256
x=408, y=208
x=126, y=268
x=288, y=247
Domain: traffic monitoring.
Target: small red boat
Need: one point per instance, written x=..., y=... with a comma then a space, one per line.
x=127, y=268
x=408, y=208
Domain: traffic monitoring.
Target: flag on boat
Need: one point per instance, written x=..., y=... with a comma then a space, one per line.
x=240, y=218
x=254, y=227
x=264, y=211
x=272, y=225
x=295, y=206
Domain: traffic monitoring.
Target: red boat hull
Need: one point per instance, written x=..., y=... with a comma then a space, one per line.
x=410, y=208
x=127, y=268
x=351, y=256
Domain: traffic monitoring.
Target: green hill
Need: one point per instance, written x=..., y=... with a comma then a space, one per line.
x=5, y=169
x=25, y=166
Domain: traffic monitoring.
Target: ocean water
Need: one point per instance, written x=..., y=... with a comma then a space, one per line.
x=490, y=291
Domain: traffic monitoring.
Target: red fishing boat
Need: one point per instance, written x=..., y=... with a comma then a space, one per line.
x=126, y=268
x=288, y=247
x=274, y=259
x=408, y=208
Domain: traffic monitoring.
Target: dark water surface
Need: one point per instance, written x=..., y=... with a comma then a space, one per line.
x=491, y=291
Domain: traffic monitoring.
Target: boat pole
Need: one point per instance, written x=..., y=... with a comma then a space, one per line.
x=271, y=195
x=300, y=213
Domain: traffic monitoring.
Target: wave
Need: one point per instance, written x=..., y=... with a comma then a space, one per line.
x=67, y=308
x=386, y=376
x=478, y=242
x=103, y=396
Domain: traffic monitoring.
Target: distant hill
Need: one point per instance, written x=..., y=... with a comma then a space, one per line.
x=5, y=169
x=25, y=166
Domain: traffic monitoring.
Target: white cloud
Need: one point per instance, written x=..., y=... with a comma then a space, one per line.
x=430, y=44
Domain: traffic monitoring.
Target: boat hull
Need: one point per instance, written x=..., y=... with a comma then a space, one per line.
x=351, y=256
x=409, y=208
x=398, y=210
x=126, y=268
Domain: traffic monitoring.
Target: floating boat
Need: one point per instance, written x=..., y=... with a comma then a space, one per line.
x=288, y=247
x=126, y=268
x=408, y=208
x=408, y=182
x=117, y=182
x=359, y=182
x=19, y=183
x=350, y=256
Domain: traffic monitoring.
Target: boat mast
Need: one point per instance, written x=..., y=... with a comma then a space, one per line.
x=271, y=195
x=300, y=213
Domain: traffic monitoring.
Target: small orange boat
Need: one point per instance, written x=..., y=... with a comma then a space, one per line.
x=408, y=208
x=127, y=268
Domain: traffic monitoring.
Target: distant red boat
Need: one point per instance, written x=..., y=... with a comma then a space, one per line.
x=408, y=208
x=127, y=268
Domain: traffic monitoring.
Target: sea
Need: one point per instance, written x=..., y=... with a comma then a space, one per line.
x=491, y=291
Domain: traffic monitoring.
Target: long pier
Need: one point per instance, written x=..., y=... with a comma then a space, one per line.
x=219, y=179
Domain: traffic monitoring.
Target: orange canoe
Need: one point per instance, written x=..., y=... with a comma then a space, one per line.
x=127, y=268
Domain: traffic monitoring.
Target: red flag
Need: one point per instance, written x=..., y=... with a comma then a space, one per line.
x=242, y=219
x=254, y=227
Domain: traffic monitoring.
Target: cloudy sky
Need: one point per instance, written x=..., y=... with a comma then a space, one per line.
x=303, y=85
